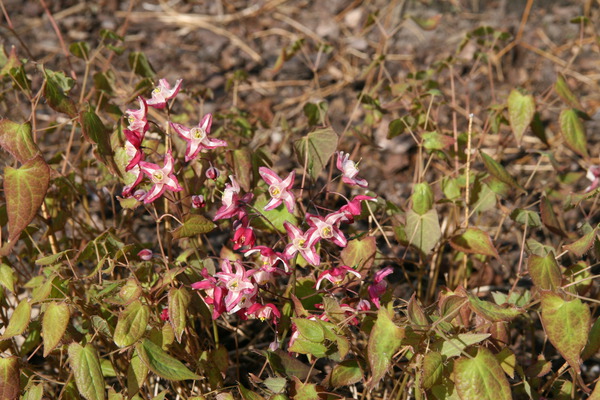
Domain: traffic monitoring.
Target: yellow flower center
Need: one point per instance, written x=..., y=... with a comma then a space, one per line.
x=274, y=191
x=158, y=176
x=326, y=232
x=197, y=133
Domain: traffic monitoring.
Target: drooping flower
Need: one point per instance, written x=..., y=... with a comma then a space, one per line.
x=328, y=227
x=162, y=178
x=304, y=243
x=264, y=312
x=212, y=173
x=198, y=201
x=377, y=289
x=278, y=189
x=197, y=137
x=214, y=294
x=133, y=148
x=353, y=208
x=336, y=275
x=163, y=92
x=593, y=174
x=233, y=204
x=137, y=120
x=243, y=236
x=269, y=257
x=349, y=170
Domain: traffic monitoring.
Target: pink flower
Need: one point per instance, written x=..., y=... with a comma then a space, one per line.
x=133, y=148
x=303, y=243
x=197, y=137
x=212, y=173
x=328, y=227
x=278, y=189
x=145, y=254
x=137, y=119
x=243, y=236
x=264, y=312
x=198, y=201
x=163, y=92
x=162, y=178
x=353, y=208
x=349, y=170
x=233, y=205
x=214, y=294
x=269, y=257
x=240, y=288
x=593, y=175
x=164, y=315
x=336, y=275
x=378, y=288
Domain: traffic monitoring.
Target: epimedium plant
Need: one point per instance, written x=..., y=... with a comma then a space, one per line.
x=214, y=267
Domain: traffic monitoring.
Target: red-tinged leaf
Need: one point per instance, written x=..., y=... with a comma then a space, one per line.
x=566, y=324
x=346, y=373
x=593, y=343
x=304, y=391
x=193, y=225
x=583, y=244
x=491, y=311
x=282, y=363
x=17, y=140
x=136, y=374
x=35, y=392
x=544, y=271
x=25, y=189
x=455, y=345
x=562, y=89
x=311, y=330
x=54, y=91
x=54, y=324
x=416, y=314
x=422, y=198
x=521, y=109
x=360, y=253
x=18, y=320
x=161, y=363
x=474, y=241
x=539, y=369
x=132, y=324
x=85, y=365
x=436, y=141
x=315, y=149
x=242, y=167
x=508, y=361
x=423, y=231
x=179, y=301
x=573, y=132
x=498, y=171
x=481, y=377
x=385, y=339
x=433, y=367
x=9, y=378
x=9, y=61
x=549, y=218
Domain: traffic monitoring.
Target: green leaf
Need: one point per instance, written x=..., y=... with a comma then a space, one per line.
x=54, y=324
x=311, y=330
x=242, y=168
x=526, y=217
x=274, y=384
x=474, y=241
x=423, y=231
x=55, y=86
x=179, y=301
x=18, y=320
x=498, y=171
x=139, y=64
x=422, y=198
x=304, y=346
x=416, y=314
x=567, y=324
x=80, y=50
x=346, y=373
x=52, y=258
x=276, y=216
x=455, y=345
x=593, y=343
x=136, y=374
x=433, y=367
x=549, y=218
x=520, y=112
x=9, y=377
x=304, y=391
x=25, y=189
x=544, y=271
x=94, y=131
x=385, y=339
x=85, y=364
x=248, y=394
x=493, y=312
x=193, y=225
x=397, y=127
x=360, y=253
x=17, y=140
x=315, y=149
x=573, y=131
x=562, y=89
x=162, y=364
x=481, y=377
x=35, y=392
x=132, y=324
x=436, y=141
x=7, y=277
x=583, y=244
x=283, y=363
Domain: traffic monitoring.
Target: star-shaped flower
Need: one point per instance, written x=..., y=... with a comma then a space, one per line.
x=137, y=118
x=197, y=137
x=349, y=170
x=328, y=227
x=303, y=243
x=162, y=178
x=163, y=92
x=278, y=189
x=336, y=275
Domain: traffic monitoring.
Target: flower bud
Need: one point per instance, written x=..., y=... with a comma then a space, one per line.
x=145, y=254
x=198, y=201
x=212, y=173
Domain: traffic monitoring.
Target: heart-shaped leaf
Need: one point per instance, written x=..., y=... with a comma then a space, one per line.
x=423, y=231
x=498, y=171
x=481, y=377
x=17, y=140
x=315, y=149
x=521, y=108
x=384, y=340
x=360, y=253
x=193, y=225
x=474, y=241
x=132, y=324
x=544, y=271
x=161, y=363
x=18, y=320
x=573, y=131
x=54, y=324
x=86, y=368
x=179, y=301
